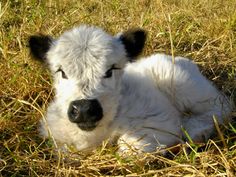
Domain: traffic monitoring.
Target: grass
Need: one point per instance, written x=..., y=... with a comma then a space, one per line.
x=202, y=30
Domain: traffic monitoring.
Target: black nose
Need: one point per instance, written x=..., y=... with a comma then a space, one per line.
x=86, y=113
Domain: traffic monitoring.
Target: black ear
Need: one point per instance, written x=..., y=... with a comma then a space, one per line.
x=39, y=46
x=133, y=40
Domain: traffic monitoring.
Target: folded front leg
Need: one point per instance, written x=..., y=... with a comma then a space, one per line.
x=147, y=140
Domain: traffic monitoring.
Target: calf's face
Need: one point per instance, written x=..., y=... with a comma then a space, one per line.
x=87, y=65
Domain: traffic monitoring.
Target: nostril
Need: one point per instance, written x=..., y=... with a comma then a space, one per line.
x=95, y=110
x=75, y=110
x=74, y=113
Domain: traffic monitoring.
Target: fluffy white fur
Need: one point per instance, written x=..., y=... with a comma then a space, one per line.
x=144, y=104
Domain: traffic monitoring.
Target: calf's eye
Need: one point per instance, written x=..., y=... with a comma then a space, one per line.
x=63, y=74
x=108, y=73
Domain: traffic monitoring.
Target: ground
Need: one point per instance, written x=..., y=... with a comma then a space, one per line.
x=204, y=31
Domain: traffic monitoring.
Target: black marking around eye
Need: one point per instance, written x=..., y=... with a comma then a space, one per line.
x=108, y=73
x=63, y=74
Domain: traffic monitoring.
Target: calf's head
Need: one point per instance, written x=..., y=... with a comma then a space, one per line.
x=87, y=65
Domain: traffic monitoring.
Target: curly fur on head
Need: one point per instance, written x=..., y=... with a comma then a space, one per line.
x=101, y=95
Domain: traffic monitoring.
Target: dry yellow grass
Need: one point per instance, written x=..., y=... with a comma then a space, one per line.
x=202, y=30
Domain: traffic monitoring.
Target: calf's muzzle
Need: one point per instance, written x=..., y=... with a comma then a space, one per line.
x=85, y=113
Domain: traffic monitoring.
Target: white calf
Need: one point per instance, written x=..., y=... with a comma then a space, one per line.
x=101, y=95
